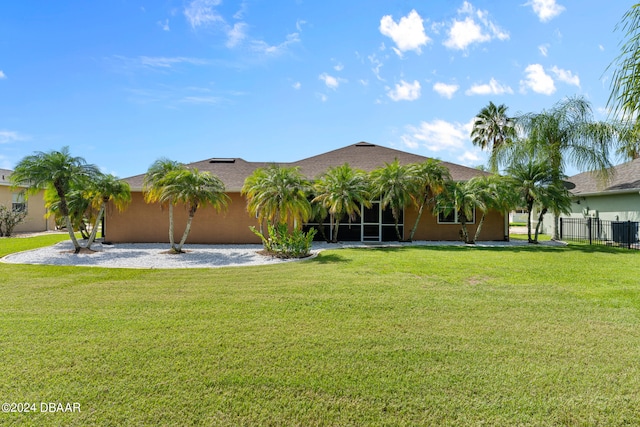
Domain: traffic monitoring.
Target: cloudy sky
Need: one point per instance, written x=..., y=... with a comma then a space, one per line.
x=125, y=82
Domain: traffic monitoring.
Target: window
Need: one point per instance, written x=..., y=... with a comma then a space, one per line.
x=18, y=203
x=454, y=218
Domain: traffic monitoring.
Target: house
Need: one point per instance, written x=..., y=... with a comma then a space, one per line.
x=14, y=199
x=615, y=200
x=142, y=222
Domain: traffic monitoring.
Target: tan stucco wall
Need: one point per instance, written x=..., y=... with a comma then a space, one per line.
x=493, y=227
x=35, y=220
x=142, y=222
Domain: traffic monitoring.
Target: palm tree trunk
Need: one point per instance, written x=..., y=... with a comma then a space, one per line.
x=415, y=225
x=94, y=230
x=465, y=232
x=171, y=239
x=187, y=229
x=336, y=225
x=529, y=208
x=556, y=227
x=477, y=235
x=76, y=245
x=397, y=229
x=542, y=212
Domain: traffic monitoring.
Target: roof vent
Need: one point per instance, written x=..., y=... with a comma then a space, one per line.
x=222, y=161
x=364, y=144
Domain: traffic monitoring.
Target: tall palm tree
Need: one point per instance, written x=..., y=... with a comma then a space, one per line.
x=56, y=169
x=154, y=182
x=567, y=135
x=342, y=190
x=463, y=198
x=278, y=195
x=492, y=129
x=430, y=177
x=624, y=99
x=395, y=185
x=194, y=189
x=103, y=189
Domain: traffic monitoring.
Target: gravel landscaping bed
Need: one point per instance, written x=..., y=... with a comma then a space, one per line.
x=154, y=255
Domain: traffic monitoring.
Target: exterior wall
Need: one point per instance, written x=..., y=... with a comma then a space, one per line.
x=149, y=223
x=35, y=220
x=146, y=223
x=493, y=227
x=615, y=207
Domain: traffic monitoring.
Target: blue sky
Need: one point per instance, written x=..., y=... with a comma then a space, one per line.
x=125, y=82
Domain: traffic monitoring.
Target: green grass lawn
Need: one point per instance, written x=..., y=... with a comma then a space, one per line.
x=399, y=336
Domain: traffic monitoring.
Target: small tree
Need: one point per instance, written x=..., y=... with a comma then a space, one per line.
x=341, y=190
x=9, y=218
x=394, y=184
x=462, y=198
x=430, y=177
x=101, y=190
x=194, y=189
x=57, y=169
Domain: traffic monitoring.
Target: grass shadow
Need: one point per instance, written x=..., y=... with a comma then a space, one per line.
x=328, y=258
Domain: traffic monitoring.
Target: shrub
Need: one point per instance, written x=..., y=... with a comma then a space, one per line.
x=9, y=219
x=284, y=244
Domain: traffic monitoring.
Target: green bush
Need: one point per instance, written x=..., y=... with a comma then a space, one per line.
x=285, y=244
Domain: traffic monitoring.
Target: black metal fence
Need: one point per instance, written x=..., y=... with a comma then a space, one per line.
x=595, y=231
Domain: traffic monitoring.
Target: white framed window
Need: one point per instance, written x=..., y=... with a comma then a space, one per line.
x=18, y=203
x=454, y=217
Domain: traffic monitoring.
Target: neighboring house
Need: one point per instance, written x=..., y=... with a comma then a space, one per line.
x=616, y=200
x=142, y=222
x=34, y=205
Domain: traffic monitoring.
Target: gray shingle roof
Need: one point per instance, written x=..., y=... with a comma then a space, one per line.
x=4, y=176
x=626, y=177
x=362, y=155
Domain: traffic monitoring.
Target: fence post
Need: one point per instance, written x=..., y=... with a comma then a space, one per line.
x=629, y=234
x=589, y=230
x=561, y=234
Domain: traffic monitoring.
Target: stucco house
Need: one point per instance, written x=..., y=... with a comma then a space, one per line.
x=142, y=222
x=34, y=205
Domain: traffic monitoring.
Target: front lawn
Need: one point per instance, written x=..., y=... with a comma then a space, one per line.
x=398, y=336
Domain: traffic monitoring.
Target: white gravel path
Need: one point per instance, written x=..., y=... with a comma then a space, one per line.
x=154, y=255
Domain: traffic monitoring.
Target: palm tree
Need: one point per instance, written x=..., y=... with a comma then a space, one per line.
x=461, y=198
x=395, y=185
x=568, y=135
x=492, y=129
x=533, y=182
x=57, y=169
x=430, y=177
x=342, y=190
x=278, y=194
x=493, y=192
x=624, y=99
x=103, y=189
x=153, y=185
x=194, y=189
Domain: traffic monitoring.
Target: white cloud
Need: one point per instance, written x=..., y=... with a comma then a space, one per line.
x=2, y=75
x=405, y=91
x=168, y=62
x=8, y=136
x=377, y=64
x=566, y=76
x=322, y=97
x=438, y=135
x=546, y=9
x=407, y=34
x=330, y=81
x=537, y=80
x=544, y=49
x=263, y=47
x=338, y=67
x=445, y=90
x=236, y=34
x=164, y=25
x=201, y=12
x=475, y=28
x=470, y=158
x=491, y=88
x=297, y=85
x=201, y=100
